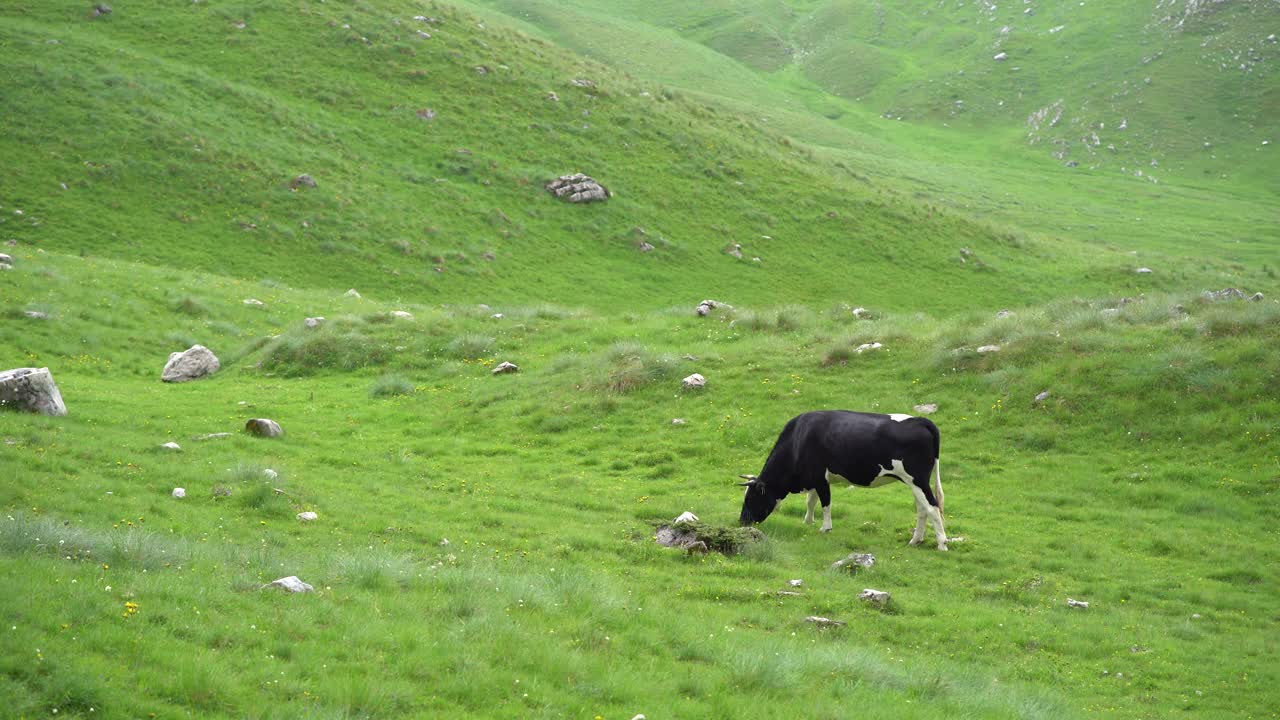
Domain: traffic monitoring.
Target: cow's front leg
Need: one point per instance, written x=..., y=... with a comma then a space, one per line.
x=823, y=491
x=917, y=536
x=813, y=502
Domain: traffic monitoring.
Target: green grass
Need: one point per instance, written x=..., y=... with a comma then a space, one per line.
x=483, y=546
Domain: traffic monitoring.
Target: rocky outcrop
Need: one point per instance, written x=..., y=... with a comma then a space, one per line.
x=31, y=390
x=262, y=427
x=578, y=188
x=193, y=363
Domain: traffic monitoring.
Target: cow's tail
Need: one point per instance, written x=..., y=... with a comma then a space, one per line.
x=937, y=461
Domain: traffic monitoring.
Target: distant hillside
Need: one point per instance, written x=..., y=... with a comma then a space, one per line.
x=173, y=134
x=1108, y=105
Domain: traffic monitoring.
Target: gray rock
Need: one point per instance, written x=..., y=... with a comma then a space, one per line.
x=578, y=188
x=1001, y=57
x=926, y=408
x=685, y=517
x=854, y=562
x=1256, y=297
x=35, y=314
x=823, y=622
x=645, y=247
x=506, y=367
x=175, y=447
x=988, y=349
x=706, y=306
x=864, y=347
x=270, y=474
x=1224, y=294
x=190, y=364
x=313, y=322
x=351, y=293
x=100, y=9
x=795, y=583
x=1004, y=314
x=861, y=312
x=875, y=597
x=1042, y=396
x=1144, y=271
x=289, y=584
x=31, y=390
x=1077, y=604
x=303, y=180
x=401, y=315
x=179, y=492
x=693, y=382
x=262, y=427
x=6, y=259
x=679, y=421
x=307, y=516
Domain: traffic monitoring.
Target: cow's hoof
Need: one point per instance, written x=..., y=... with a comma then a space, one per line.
x=943, y=548
x=915, y=541
x=825, y=529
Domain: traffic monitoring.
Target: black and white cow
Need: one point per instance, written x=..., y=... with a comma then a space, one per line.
x=865, y=449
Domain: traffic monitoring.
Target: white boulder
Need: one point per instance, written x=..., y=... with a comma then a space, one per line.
x=190, y=364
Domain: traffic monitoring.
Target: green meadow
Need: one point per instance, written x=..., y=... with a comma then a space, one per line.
x=484, y=543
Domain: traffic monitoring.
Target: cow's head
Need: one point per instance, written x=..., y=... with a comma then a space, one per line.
x=757, y=503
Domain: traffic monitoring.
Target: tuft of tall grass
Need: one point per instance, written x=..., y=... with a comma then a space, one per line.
x=627, y=366
x=390, y=386
x=471, y=346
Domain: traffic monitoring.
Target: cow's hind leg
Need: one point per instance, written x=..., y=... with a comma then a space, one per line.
x=922, y=515
x=929, y=502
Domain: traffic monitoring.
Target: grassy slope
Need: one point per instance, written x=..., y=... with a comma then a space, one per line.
x=1138, y=486
x=1142, y=485
x=829, y=72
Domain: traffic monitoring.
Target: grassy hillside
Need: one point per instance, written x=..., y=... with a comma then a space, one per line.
x=1097, y=111
x=1141, y=485
x=171, y=134
x=484, y=546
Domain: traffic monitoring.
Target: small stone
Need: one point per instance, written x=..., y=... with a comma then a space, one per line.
x=854, y=561
x=795, y=583
x=270, y=474
x=497, y=316
x=313, y=322
x=307, y=516
x=926, y=408
x=988, y=349
x=401, y=315
x=1001, y=57
x=290, y=584
x=262, y=427
x=875, y=597
x=351, y=293
x=101, y=9
x=864, y=347
x=1004, y=314
x=179, y=492
x=823, y=622
x=693, y=382
x=1077, y=604
x=303, y=180
x=255, y=302
x=679, y=421
x=789, y=593
x=506, y=367
x=6, y=259
x=685, y=517
x=1144, y=271
x=175, y=447
x=1042, y=396
x=645, y=247
x=697, y=547
x=861, y=312
x=35, y=314
x=1256, y=297
x=578, y=188
x=444, y=542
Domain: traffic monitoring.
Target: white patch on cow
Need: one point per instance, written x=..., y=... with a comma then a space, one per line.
x=813, y=502
x=899, y=417
x=877, y=482
x=896, y=469
x=826, y=519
